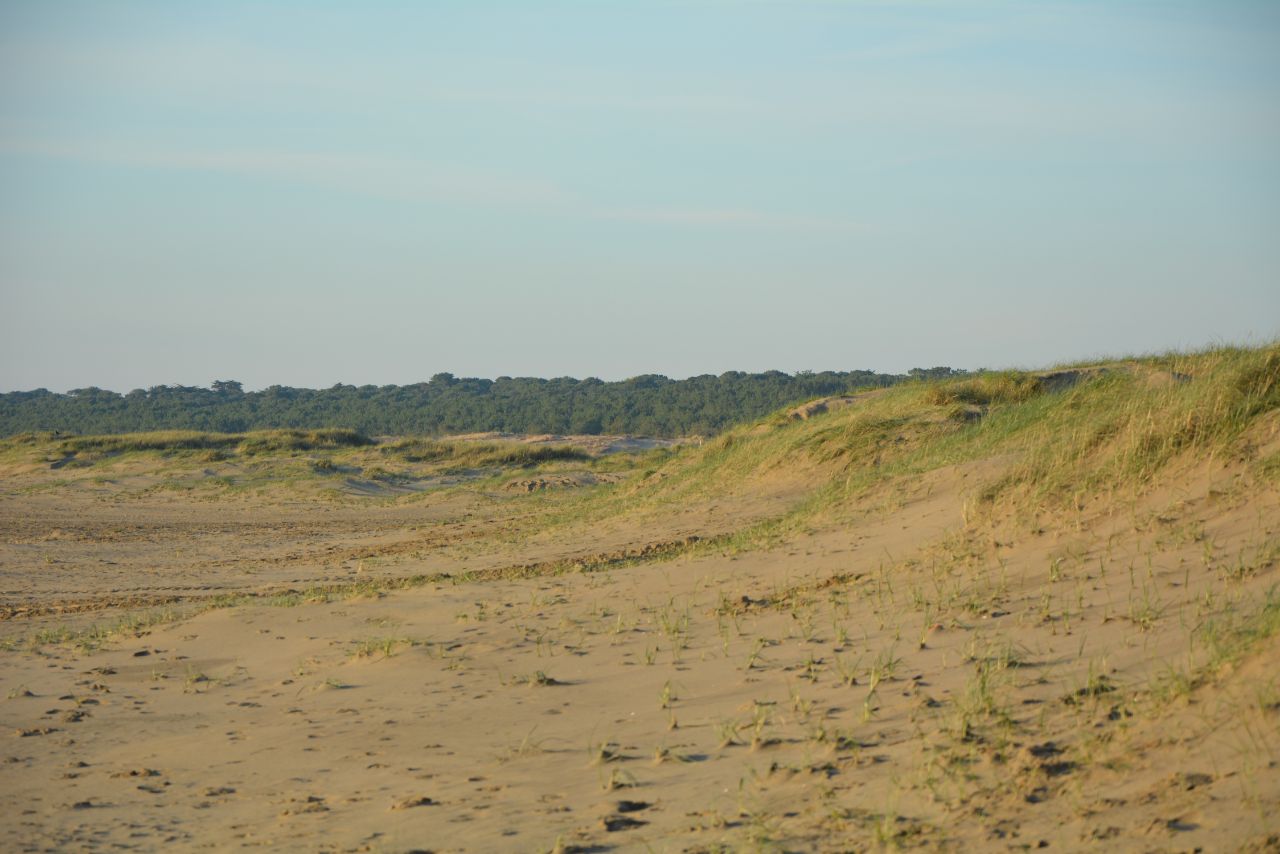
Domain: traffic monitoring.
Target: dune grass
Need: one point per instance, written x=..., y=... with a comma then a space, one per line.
x=258, y=442
x=1117, y=431
x=984, y=390
x=292, y=458
x=454, y=455
x=1109, y=427
x=446, y=455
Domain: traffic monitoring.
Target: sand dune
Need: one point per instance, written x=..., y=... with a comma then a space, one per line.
x=658, y=661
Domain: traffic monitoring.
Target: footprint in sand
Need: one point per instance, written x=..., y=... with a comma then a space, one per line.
x=419, y=801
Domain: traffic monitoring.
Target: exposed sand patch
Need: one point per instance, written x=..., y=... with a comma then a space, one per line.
x=792, y=695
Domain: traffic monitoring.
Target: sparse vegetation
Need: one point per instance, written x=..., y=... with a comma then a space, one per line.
x=904, y=621
x=262, y=442
x=457, y=456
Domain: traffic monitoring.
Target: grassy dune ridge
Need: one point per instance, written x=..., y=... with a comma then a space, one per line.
x=1112, y=427
x=171, y=441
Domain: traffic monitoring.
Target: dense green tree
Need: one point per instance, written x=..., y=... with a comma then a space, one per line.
x=647, y=405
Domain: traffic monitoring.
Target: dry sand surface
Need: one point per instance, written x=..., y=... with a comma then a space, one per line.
x=891, y=673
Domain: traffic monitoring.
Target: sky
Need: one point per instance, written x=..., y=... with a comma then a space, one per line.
x=310, y=193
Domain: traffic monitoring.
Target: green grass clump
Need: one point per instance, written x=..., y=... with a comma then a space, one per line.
x=1121, y=429
x=1257, y=381
x=380, y=474
x=170, y=440
x=268, y=441
x=259, y=442
x=31, y=437
x=1230, y=637
x=463, y=455
x=984, y=390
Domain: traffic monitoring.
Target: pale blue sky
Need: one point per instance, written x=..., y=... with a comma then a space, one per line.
x=308, y=193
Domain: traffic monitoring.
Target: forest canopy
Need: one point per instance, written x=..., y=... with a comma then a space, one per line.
x=651, y=405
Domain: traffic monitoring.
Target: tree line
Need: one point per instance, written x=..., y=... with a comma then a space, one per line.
x=650, y=405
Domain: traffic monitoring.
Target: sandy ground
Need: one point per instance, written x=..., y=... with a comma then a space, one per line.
x=888, y=676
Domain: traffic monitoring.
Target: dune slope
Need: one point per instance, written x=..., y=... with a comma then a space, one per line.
x=1008, y=612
